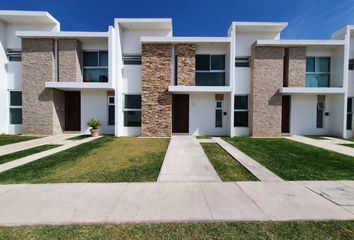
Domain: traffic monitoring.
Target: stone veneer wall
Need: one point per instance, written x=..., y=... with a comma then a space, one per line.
x=43, y=108
x=70, y=61
x=156, y=106
x=186, y=64
x=295, y=67
x=266, y=102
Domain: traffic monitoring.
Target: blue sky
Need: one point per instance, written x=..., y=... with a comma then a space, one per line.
x=308, y=19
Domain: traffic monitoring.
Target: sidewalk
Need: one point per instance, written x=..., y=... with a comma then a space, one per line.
x=186, y=161
x=258, y=170
x=15, y=147
x=94, y=203
x=324, y=144
x=66, y=145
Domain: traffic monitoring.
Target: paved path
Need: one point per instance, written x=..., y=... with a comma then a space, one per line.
x=185, y=161
x=15, y=147
x=258, y=170
x=324, y=144
x=33, y=204
x=21, y=161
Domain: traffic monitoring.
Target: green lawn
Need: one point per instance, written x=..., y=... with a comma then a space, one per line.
x=106, y=159
x=291, y=160
x=227, y=168
x=80, y=137
x=348, y=145
x=317, y=137
x=25, y=153
x=8, y=139
x=203, y=137
x=241, y=230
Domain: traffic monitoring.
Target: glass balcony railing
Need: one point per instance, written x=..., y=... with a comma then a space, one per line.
x=95, y=75
x=317, y=80
x=210, y=79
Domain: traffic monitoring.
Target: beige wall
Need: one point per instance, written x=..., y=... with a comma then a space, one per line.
x=186, y=64
x=156, y=115
x=295, y=67
x=266, y=102
x=70, y=60
x=43, y=109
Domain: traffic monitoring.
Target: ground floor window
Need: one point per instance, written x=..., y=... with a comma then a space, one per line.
x=320, y=111
x=132, y=110
x=218, y=114
x=15, y=107
x=241, y=111
x=349, y=113
x=111, y=110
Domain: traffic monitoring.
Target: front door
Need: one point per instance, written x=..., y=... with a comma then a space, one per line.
x=285, y=115
x=180, y=113
x=73, y=111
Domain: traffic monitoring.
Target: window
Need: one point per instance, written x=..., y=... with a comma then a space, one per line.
x=318, y=71
x=15, y=107
x=242, y=62
x=210, y=70
x=320, y=111
x=351, y=64
x=111, y=110
x=95, y=66
x=241, y=111
x=131, y=59
x=132, y=110
x=218, y=114
x=349, y=113
x=14, y=55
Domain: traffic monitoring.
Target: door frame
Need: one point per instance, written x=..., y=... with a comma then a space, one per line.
x=174, y=96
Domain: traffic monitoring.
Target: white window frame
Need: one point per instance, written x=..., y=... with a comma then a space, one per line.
x=110, y=104
x=129, y=109
x=219, y=108
x=243, y=110
x=10, y=106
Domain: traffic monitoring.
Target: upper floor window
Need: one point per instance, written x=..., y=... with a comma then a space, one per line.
x=351, y=64
x=131, y=59
x=318, y=71
x=210, y=70
x=95, y=66
x=242, y=62
x=14, y=55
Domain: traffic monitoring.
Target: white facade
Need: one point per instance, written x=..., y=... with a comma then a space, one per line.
x=125, y=38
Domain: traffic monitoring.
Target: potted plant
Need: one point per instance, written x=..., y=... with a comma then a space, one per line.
x=94, y=123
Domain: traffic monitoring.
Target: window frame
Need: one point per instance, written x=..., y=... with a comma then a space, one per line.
x=130, y=109
x=109, y=104
x=315, y=67
x=14, y=106
x=211, y=70
x=242, y=110
x=14, y=55
x=132, y=59
x=98, y=67
x=221, y=108
x=350, y=114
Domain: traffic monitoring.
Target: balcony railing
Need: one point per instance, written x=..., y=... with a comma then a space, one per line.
x=210, y=78
x=95, y=75
x=317, y=80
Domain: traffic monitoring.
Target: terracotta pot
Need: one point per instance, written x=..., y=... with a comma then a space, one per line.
x=95, y=132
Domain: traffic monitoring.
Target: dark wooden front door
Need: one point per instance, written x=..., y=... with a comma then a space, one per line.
x=285, y=115
x=72, y=111
x=180, y=113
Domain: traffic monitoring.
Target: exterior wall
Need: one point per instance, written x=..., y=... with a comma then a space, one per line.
x=295, y=67
x=4, y=111
x=94, y=104
x=156, y=115
x=202, y=115
x=40, y=105
x=69, y=61
x=186, y=64
x=266, y=102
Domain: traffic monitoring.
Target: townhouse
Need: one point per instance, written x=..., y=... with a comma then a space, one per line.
x=140, y=80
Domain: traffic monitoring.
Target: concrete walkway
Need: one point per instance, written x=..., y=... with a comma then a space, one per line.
x=95, y=203
x=66, y=145
x=185, y=161
x=258, y=170
x=324, y=144
x=15, y=147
